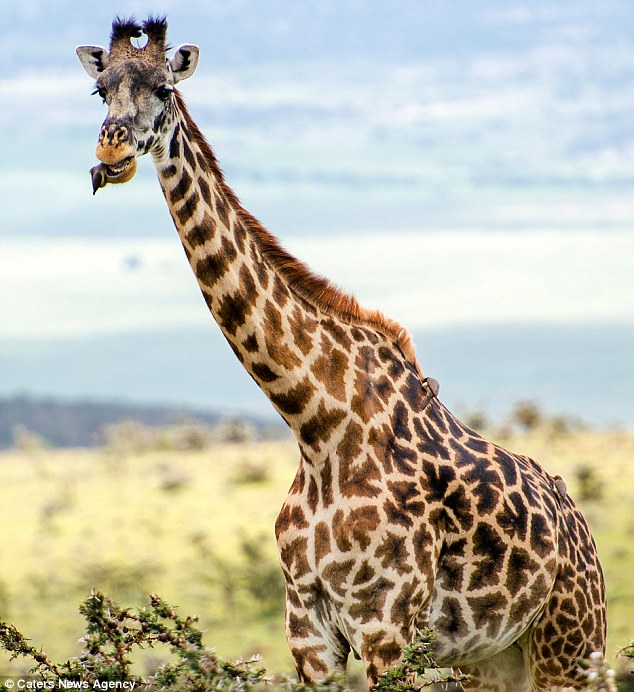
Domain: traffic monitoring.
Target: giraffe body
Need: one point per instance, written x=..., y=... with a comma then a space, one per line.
x=464, y=538
x=399, y=516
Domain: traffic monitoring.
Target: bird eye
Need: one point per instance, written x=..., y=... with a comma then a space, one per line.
x=164, y=92
x=101, y=92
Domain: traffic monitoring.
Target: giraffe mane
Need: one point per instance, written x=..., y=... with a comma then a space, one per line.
x=313, y=288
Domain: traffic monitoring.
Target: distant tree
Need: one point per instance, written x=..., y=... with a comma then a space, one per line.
x=27, y=440
x=526, y=415
x=589, y=485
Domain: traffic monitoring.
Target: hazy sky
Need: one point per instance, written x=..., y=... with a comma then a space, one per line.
x=453, y=163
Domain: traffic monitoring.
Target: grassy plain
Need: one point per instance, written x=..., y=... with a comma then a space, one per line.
x=196, y=527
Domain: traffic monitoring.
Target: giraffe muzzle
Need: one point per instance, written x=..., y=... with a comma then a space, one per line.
x=117, y=155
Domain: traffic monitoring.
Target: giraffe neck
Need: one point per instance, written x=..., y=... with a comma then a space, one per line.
x=271, y=309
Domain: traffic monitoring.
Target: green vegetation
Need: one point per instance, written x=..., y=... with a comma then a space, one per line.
x=191, y=517
x=194, y=526
x=112, y=635
x=417, y=668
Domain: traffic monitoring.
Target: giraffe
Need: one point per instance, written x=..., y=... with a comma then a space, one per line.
x=399, y=517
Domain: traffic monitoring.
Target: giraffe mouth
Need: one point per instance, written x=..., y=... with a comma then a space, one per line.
x=120, y=172
x=114, y=170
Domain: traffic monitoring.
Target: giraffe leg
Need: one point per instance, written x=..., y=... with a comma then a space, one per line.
x=556, y=646
x=317, y=649
x=572, y=625
x=381, y=648
x=504, y=672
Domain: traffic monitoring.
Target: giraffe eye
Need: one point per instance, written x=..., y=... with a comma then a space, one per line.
x=101, y=92
x=164, y=92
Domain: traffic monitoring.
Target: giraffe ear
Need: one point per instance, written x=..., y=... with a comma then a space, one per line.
x=184, y=61
x=93, y=58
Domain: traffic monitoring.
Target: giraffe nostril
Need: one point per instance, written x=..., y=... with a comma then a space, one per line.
x=113, y=134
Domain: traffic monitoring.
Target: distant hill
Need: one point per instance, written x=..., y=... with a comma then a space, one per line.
x=77, y=423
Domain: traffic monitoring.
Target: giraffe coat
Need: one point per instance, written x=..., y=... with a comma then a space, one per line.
x=399, y=516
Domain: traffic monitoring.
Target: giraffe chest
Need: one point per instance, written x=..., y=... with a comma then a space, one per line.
x=348, y=564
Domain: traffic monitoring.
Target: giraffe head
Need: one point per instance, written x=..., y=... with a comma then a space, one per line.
x=137, y=84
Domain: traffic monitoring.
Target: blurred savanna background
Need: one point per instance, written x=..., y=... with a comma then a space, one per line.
x=468, y=168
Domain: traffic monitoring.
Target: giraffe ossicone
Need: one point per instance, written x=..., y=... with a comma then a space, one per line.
x=399, y=517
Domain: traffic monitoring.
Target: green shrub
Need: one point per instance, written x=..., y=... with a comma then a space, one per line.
x=112, y=636
x=417, y=661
